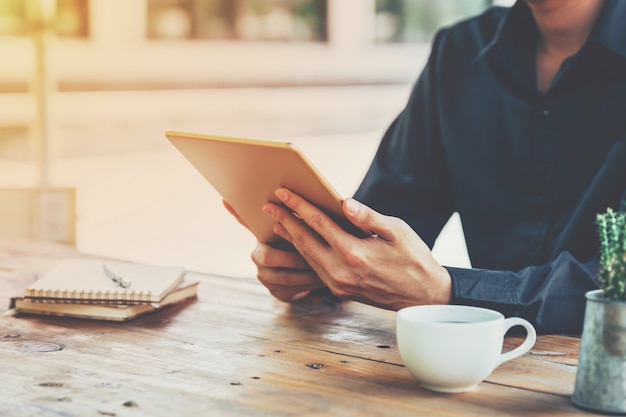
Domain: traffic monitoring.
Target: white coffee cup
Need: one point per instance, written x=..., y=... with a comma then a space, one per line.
x=452, y=348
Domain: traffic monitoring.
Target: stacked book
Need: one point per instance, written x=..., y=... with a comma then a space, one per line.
x=104, y=290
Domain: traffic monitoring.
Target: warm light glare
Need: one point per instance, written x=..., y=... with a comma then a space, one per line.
x=41, y=10
x=120, y=73
x=48, y=8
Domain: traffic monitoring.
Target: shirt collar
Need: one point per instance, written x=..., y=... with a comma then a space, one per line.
x=610, y=29
x=518, y=28
x=513, y=46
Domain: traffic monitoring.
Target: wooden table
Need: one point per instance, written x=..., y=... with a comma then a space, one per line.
x=238, y=352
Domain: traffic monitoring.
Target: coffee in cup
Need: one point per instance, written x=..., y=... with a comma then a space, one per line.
x=452, y=348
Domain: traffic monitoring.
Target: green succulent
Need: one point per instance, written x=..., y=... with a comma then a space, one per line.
x=612, y=234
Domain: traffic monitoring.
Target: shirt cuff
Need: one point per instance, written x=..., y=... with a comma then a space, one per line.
x=483, y=288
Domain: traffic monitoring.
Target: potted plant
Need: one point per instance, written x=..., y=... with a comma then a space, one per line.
x=601, y=375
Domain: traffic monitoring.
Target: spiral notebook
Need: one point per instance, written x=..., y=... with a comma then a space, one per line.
x=98, y=311
x=109, y=282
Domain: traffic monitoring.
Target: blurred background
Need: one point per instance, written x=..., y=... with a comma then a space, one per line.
x=88, y=87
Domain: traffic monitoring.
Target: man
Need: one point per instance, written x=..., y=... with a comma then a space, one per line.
x=518, y=123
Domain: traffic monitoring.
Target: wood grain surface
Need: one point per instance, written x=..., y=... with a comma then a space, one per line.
x=236, y=351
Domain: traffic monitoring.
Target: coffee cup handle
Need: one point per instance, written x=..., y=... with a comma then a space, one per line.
x=529, y=342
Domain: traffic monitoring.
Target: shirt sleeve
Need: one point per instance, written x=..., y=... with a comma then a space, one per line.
x=408, y=177
x=550, y=296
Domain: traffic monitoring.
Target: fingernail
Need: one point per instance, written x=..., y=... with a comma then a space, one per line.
x=353, y=206
x=282, y=194
x=300, y=295
x=269, y=210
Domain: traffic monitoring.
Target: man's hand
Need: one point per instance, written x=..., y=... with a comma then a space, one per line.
x=391, y=269
x=282, y=270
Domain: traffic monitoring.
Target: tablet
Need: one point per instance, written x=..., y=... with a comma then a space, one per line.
x=246, y=172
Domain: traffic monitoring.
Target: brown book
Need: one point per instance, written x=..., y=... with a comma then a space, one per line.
x=77, y=280
x=110, y=312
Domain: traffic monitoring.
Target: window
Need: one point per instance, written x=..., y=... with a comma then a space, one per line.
x=13, y=18
x=70, y=18
x=417, y=20
x=252, y=20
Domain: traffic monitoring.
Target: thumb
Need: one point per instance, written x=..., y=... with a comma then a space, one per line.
x=368, y=219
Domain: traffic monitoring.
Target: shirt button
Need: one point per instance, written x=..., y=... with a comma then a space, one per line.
x=545, y=112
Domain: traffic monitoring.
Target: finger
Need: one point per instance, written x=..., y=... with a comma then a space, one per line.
x=279, y=277
x=289, y=285
x=306, y=241
x=310, y=244
x=312, y=258
x=288, y=294
x=270, y=257
x=315, y=218
x=362, y=216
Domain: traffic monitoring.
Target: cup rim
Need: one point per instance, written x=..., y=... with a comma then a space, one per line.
x=408, y=314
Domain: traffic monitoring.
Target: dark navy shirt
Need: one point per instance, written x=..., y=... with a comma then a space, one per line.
x=526, y=171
